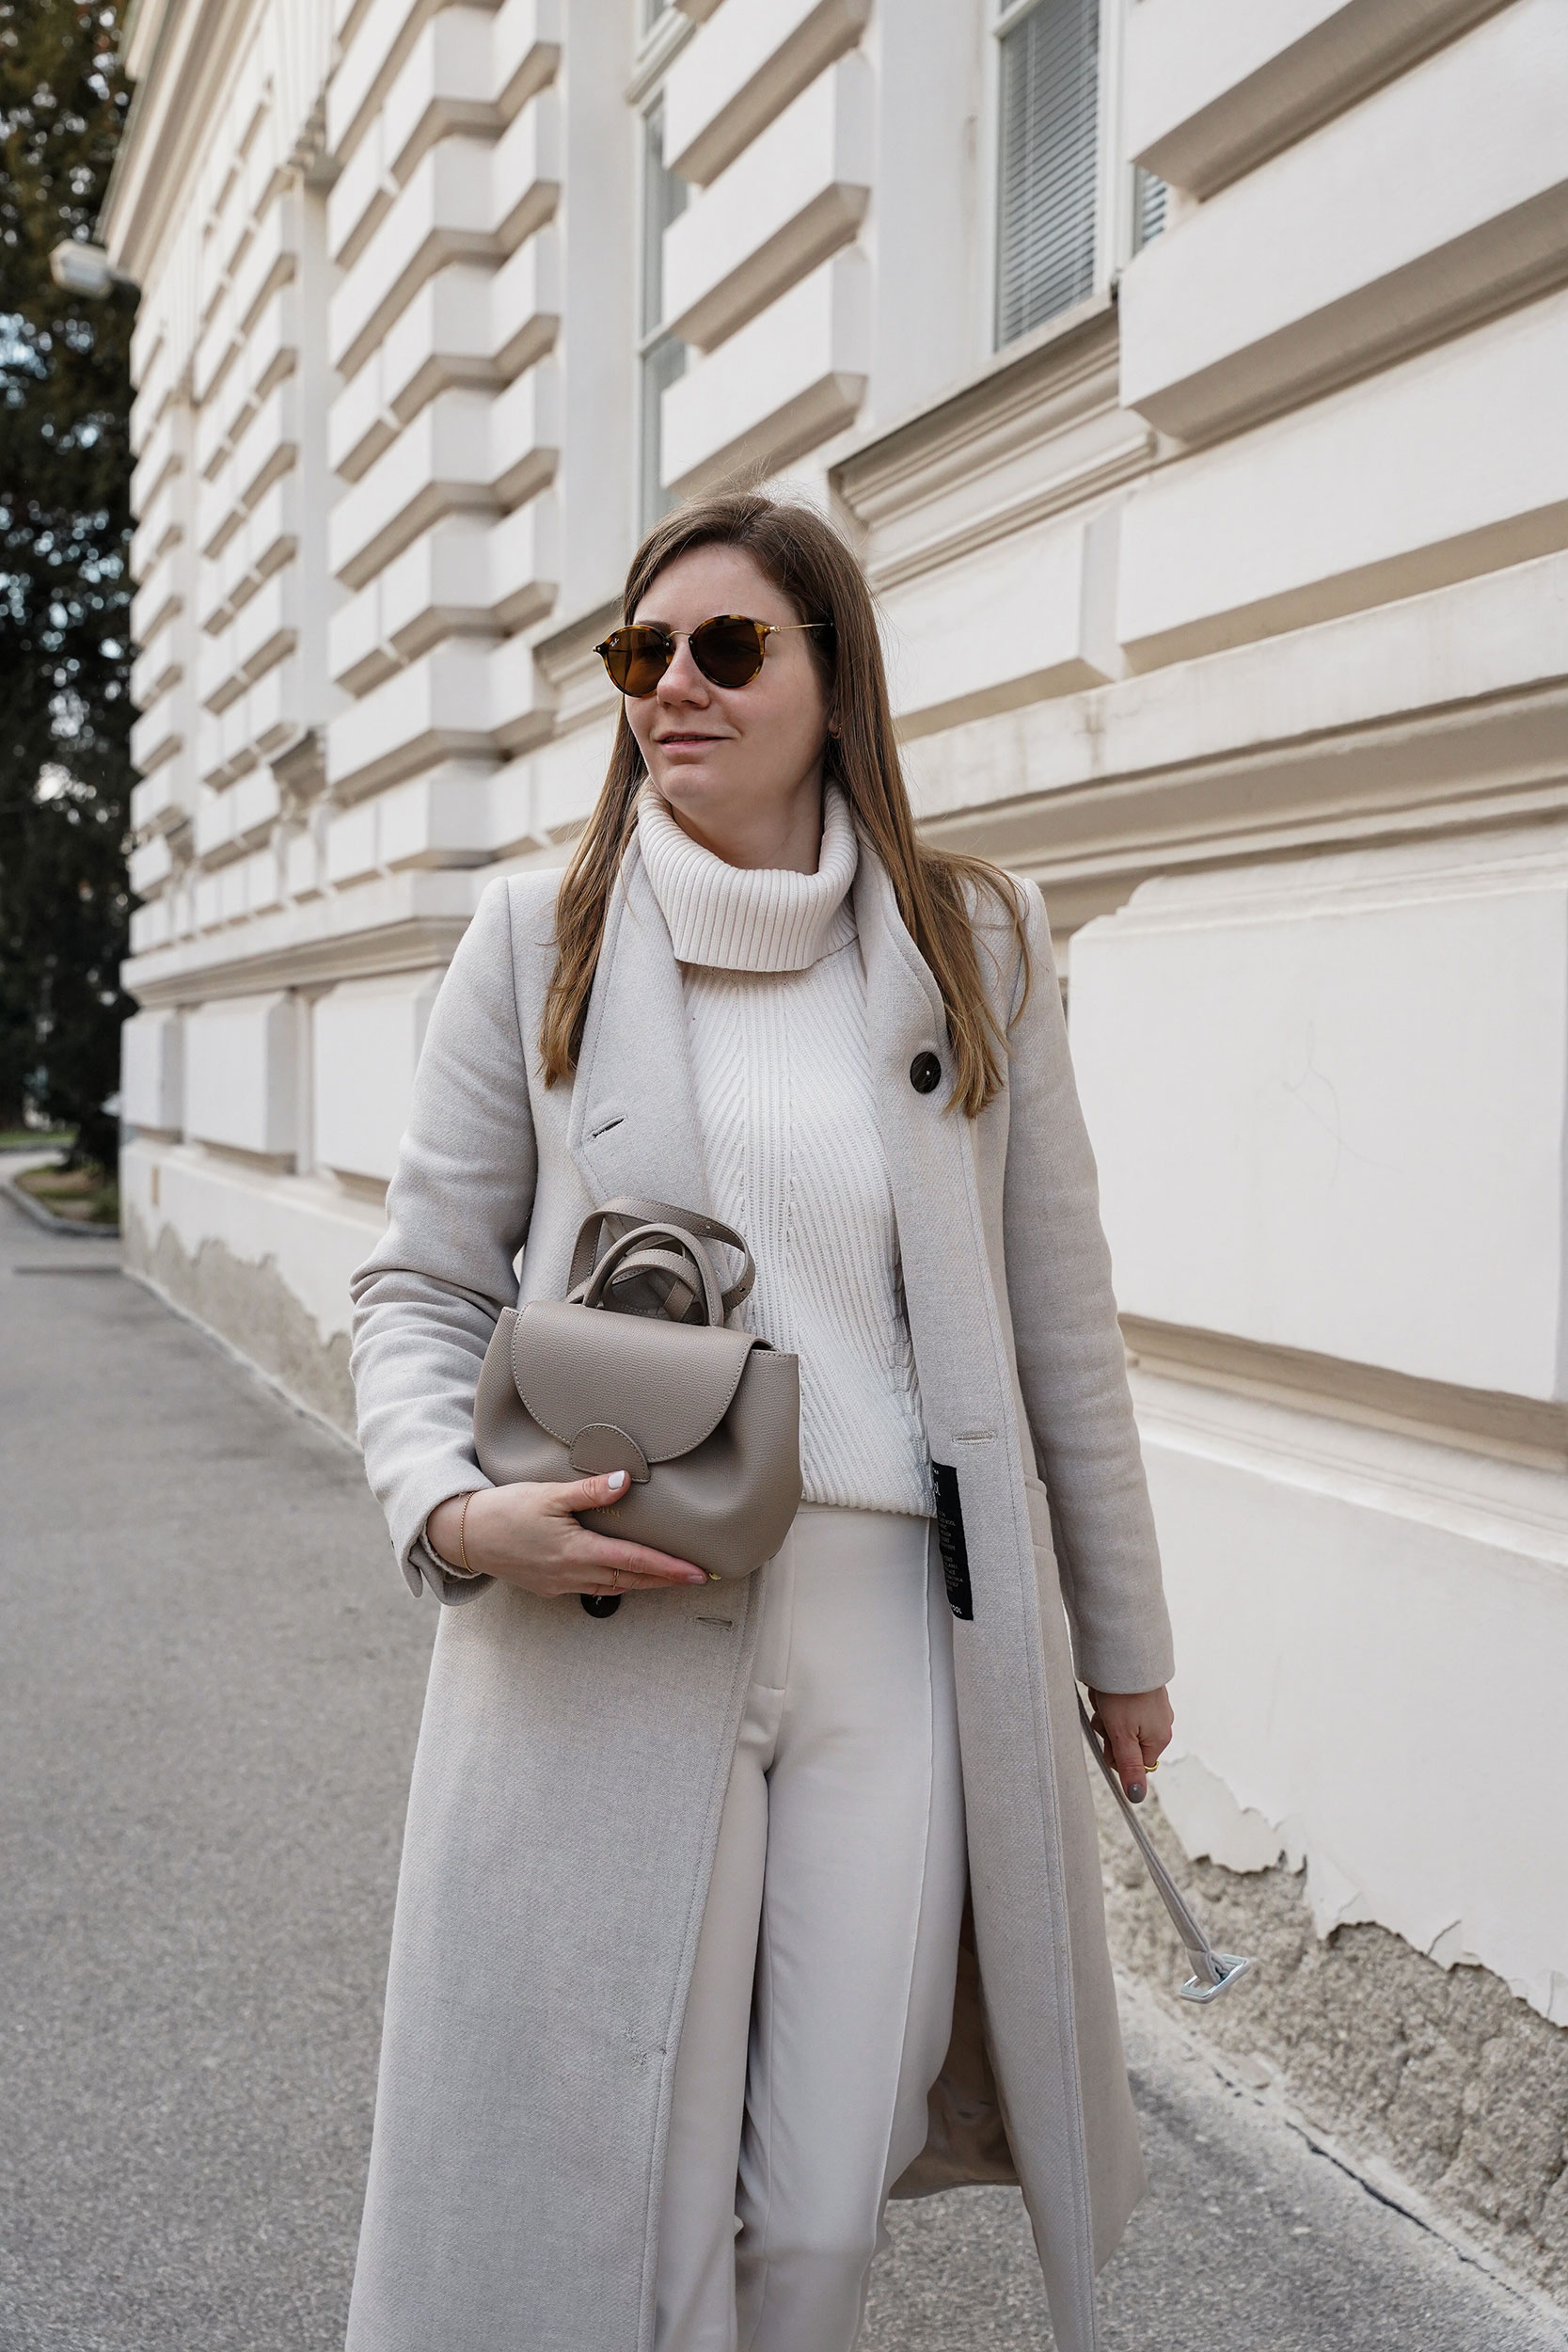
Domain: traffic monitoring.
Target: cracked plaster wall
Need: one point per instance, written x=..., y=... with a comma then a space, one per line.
x=251, y=1307
x=1443, y=2073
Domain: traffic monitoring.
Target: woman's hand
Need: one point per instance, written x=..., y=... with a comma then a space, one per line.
x=527, y=1536
x=1137, y=1727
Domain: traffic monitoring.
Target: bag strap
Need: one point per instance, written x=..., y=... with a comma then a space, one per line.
x=686, y=1269
x=626, y=1210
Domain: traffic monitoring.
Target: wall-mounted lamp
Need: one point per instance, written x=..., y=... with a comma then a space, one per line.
x=86, y=269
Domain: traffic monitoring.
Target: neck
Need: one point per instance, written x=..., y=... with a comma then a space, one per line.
x=784, y=836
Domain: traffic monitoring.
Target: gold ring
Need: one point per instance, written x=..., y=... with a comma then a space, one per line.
x=614, y=1579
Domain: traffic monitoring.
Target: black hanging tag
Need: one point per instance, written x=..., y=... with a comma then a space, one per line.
x=950, y=1541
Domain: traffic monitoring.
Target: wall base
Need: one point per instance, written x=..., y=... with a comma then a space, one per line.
x=253, y=1311
x=252, y=1308
x=1443, y=2074
x=260, y=1256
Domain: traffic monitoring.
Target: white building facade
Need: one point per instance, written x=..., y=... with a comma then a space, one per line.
x=1192, y=376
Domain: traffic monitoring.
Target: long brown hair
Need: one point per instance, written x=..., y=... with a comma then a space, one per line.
x=807, y=561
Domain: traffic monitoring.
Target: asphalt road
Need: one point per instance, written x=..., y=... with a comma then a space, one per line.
x=210, y=1681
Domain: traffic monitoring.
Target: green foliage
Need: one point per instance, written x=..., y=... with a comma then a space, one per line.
x=65, y=526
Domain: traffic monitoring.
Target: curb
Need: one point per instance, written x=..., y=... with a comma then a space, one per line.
x=11, y=1191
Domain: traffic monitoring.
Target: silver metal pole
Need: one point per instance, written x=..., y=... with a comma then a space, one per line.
x=1212, y=1972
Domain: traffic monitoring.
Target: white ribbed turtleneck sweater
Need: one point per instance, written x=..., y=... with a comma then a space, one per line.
x=775, y=1001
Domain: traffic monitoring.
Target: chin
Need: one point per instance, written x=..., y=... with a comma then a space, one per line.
x=688, y=780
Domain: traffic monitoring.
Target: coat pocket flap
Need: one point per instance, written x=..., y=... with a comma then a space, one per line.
x=668, y=1385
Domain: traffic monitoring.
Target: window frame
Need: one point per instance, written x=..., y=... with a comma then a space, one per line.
x=1115, y=189
x=650, y=500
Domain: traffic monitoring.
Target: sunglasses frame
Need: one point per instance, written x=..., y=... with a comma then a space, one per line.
x=765, y=630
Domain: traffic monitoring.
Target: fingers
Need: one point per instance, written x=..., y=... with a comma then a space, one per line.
x=588, y=1494
x=637, y=1565
x=1127, y=1755
x=661, y=1566
x=640, y=1567
x=1137, y=1728
x=539, y=1541
x=588, y=1580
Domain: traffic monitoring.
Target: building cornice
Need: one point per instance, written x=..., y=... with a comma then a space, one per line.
x=1450, y=768
x=415, y=945
x=876, y=464
x=143, y=30
x=179, y=54
x=403, y=923
x=1477, y=1421
x=1001, y=451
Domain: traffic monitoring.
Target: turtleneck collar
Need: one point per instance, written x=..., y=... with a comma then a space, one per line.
x=741, y=918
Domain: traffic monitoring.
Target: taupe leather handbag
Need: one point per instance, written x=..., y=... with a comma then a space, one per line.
x=635, y=1370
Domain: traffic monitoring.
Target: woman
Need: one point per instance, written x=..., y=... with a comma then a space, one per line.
x=683, y=1982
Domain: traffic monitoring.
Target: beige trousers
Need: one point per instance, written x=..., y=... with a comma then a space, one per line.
x=822, y=2002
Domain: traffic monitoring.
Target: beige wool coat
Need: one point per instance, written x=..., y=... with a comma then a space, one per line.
x=571, y=1770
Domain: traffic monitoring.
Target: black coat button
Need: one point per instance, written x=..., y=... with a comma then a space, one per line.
x=601, y=1604
x=924, y=1074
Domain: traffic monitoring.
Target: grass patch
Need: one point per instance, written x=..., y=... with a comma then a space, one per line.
x=36, y=1138
x=87, y=1195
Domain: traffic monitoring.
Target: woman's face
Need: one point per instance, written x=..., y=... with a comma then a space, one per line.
x=741, y=765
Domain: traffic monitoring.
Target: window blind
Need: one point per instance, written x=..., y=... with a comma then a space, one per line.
x=1050, y=155
x=1148, y=209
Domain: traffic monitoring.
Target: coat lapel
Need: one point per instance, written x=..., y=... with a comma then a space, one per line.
x=929, y=1150
x=633, y=1125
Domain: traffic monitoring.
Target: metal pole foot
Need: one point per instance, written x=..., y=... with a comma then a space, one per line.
x=1230, y=1966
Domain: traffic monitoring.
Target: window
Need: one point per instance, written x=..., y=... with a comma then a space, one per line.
x=1049, y=162
x=1148, y=208
x=662, y=358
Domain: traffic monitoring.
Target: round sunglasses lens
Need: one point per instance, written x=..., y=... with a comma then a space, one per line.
x=636, y=659
x=728, y=651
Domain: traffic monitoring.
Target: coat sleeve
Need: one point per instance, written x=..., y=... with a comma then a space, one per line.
x=427, y=1296
x=1071, y=1364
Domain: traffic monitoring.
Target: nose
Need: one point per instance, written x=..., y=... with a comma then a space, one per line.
x=682, y=682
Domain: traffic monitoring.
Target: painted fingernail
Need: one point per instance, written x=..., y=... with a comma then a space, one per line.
x=1136, y=1793
x=616, y=1480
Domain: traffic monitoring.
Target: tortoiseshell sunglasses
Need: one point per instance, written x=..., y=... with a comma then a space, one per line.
x=728, y=650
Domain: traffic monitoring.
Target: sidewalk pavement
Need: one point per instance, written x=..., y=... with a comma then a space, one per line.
x=209, y=1683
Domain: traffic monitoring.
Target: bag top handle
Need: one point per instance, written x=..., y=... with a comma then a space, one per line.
x=662, y=1250
x=626, y=1211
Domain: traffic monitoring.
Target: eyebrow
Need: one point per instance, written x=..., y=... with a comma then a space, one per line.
x=651, y=620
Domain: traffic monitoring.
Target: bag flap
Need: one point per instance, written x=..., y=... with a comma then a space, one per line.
x=668, y=1385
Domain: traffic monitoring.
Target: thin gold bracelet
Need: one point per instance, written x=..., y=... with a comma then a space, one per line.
x=462, y=1532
